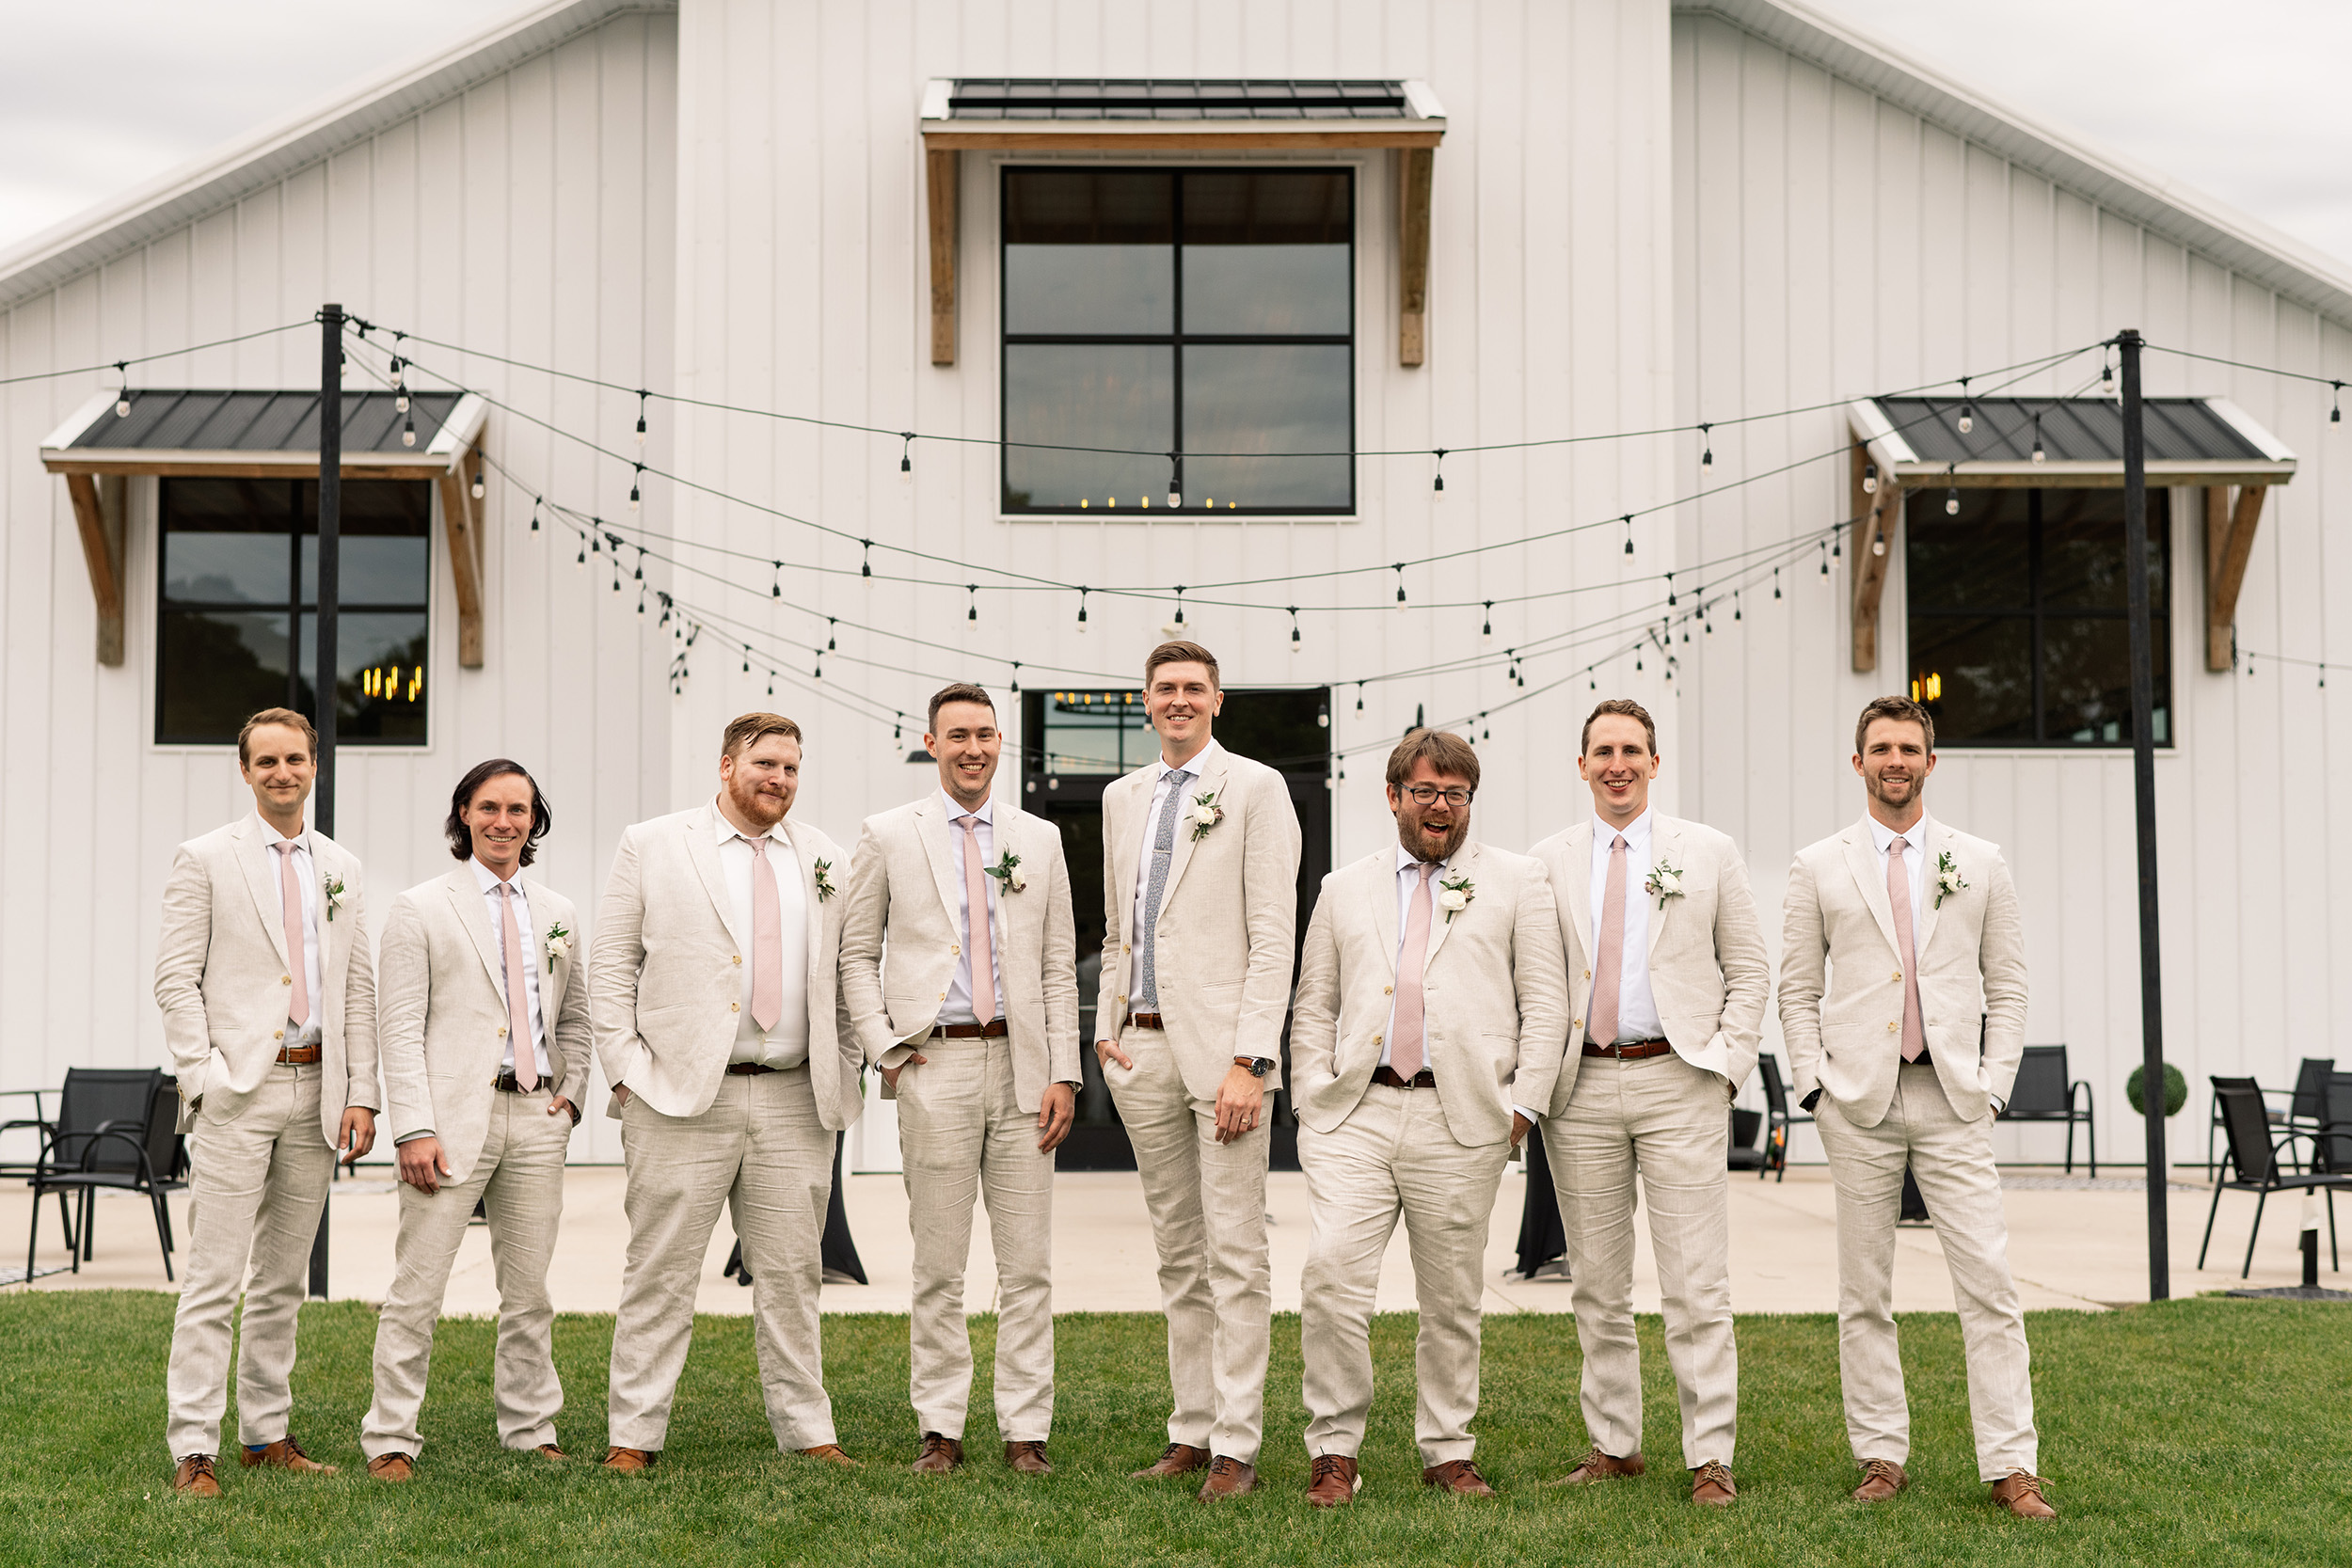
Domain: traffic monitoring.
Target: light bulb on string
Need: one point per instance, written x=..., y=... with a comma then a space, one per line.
x=641, y=563
x=906, y=457
x=1878, y=543
x=399, y=372
x=1967, y=408
x=1400, y=584
x=583, y=560
x=1951, y=501
x=1176, y=627
x=2335, y=408
x=1437, y=484
x=2039, y=456
x=1776, y=583
x=1175, y=484
x=2107, y=370
x=535, y=503
x=972, y=610
x=1870, y=479
x=1294, y=643
x=1707, y=454
x=817, y=670
x=1825, y=560
x=1016, y=677
x=641, y=417
x=1735, y=604
x=122, y=398
x=865, y=561
x=776, y=587
x=635, y=481
x=830, y=622
x=480, y=488
x=1359, y=696
x=408, y=430
x=1670, y=590
x=1081, y=612
x=1628, y=534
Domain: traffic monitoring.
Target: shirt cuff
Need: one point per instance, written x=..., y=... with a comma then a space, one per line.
x=894, y=1057
x=412, y=1137
x=1533, y=1120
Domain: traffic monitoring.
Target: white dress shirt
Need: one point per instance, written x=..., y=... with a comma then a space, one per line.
x=1915, y=860
x=958, y=1007
x=314, y=973
x=786, y=1044
x=494, y=896
x=1407, y=879
x=1637, y=1009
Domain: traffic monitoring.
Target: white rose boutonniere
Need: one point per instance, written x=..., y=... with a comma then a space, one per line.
x=1007, y=872
x=1947, y=878
x=333, y=887
x=1455, y=894
x=824, y=886
x=559, y=943
x=1205, y=814
x=1666, y=882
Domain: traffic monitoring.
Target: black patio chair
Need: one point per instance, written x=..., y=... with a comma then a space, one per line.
x=40, y=1127
x=2302, y=1108
x=2214, y=1121
x=2043, y=1093
x=1778, y=1118
x=115, y=1129
x=2260, y=1164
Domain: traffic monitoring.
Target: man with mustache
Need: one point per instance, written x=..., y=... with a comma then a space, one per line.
x=1431, y=1008
x=1200, y=894
x=483, y=1024
x=713, y=992
x=1666, y=955
x=958, y=969
x=1904, y=1051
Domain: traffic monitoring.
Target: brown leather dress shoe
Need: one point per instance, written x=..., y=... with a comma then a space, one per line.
x=1881, y=1479
x=284, y=1454
x=1598, y=1466
x=548, y=1450
x=1332, y=1481
x=630, y=1462
x=1459, y=1477
x=829, y=1454
x=194, y=1477
x=2020, y=1491
x=1028, y=1457
x=940, y=1455
x=1711, y=1484
x=1177, y=1458
x=392, y=1466
x=1227, y=1478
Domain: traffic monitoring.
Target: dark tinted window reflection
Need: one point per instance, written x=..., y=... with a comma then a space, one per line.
x=2017, y=616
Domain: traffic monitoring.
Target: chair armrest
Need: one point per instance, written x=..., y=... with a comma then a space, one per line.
x=110, y=1133
x=21, y=1122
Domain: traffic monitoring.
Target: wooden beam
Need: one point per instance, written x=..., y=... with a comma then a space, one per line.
x=1414, y=169
x=278, y=468
x=1140, y=137
x=101, y=528
x=1876, y=518
x=462, y=523
x=2229, y=543
x=942, y=166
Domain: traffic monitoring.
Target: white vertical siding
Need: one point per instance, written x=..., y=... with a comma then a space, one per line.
x=1831, y=244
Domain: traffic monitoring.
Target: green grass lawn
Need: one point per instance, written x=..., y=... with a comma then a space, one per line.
x=2197, y=1432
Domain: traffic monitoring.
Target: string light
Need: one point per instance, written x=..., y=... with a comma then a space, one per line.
x=1870, y=479
x=906, y=457
x=408, y=430
x=1735, y=604
x=775, y=589
x=1082, y=611
x=635, y=481
x=1670, y=590
x=1825, y=561
x=972, y=612
x=1438, y=486
x=1776, y=583
x=830, y=622
x=478, y=488
x=123, y=399
x=1628, y=534
x=641, y=416
x=1175, y=484
x=1176, y=627
x=1487, y=629
x=1967, y=408
x=1400, y=585
x=2037, y=453
x=1359, y=696
x=1951, y=496
x=865, y=561
x=1016, y=677
x=2335, y=408
x=1294, y=645
x=1706, y=455
x=535, y=503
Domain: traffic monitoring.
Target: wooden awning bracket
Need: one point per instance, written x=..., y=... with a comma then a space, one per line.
x=1870, y=546
x=461, y=521
x=98, y=502
x=2229, y=543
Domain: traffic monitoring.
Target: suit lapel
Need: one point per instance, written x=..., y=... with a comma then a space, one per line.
x=1863, y=861
x=1939, y=843
x=1381, y=890
x=464, y=902
x=1576, y=875
x=938, y=834
x=1125, y=842
x=1665, y=848
x=551, y=978
x=261, y=874
x=1210, y=780
x=805, y=855
x=1465, y=865
x=701, y=847
x=326, y=866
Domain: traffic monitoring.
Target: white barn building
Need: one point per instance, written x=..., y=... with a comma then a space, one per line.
x=1232, y=231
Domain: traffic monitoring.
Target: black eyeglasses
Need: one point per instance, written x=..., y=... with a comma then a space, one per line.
x=1426, y=795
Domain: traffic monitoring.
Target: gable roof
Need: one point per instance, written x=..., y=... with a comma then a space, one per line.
x=2245, y=245
x=262, y=157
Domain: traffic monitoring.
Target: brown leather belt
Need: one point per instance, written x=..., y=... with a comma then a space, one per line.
x=994, y=1029
x=749, y=1070
x=1633, y=1051
x=505, y=1083
x=301, y=1055
x=1144, y=1020
x=1424, y=1078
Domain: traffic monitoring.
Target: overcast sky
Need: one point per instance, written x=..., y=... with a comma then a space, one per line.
x=2244, y=101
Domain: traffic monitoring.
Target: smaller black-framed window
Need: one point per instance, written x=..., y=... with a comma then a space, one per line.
x=236, y=607
x=2019, y=628
x=1153, y=313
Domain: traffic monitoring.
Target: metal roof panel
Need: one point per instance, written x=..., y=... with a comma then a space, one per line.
x=170, y=419
x=2073, y=430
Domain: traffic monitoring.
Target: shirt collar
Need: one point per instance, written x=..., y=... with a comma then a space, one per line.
x=1636, y=831
x=486, y=879
x=1198, y=765
x=270, y=835
x=986, y=811
x=1882, y=836
x=1406, y=860
x=726, y=829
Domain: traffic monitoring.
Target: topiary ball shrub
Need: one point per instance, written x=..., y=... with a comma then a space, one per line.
x=2176, y=1090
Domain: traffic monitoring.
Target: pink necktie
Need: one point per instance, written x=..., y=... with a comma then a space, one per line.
x=976, y=923
x=1899, y=895
x=1405, y=1053
x=767, y=940
x=290, y=906
x=518, y=998
x=1601, y=1013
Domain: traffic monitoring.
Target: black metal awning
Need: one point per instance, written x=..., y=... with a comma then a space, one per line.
x=263, y=434
x=1136, y=98
x=2065, y=441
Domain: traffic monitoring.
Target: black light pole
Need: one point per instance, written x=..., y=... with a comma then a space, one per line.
x=329, y=594
x=2144, y=802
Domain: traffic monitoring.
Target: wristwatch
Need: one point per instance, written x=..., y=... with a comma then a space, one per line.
x=1258, y=1066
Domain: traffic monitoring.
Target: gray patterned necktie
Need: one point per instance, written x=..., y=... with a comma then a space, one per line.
x=1162, y=852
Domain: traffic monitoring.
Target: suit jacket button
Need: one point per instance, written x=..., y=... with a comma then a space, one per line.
x=1375, y=1040
x=1576, y=1024
x=1388, y=990
x=285, y=979
x=954, y=951
x=501, y=1030
x=1122, y=947
x=1896, y=975
x=943, y=996
x=1588, y=974
x=737, y=961
x=1893, y=1027
x=279, y=1036
x=734, y=1007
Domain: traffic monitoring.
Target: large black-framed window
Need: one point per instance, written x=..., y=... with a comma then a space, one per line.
x=1159, y=311
x=2019, y=628
x=236, y=607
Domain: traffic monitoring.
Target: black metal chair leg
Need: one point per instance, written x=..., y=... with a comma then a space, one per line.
x=2090, y=1130
x=2259, y=1198
x=32, y=1242
x=89, y=1224
x=2335, y=1259
x=2207, y=1245
x=2070, y=1147
x=65, y=1218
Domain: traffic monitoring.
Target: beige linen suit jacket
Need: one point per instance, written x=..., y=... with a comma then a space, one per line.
x=223, y=976
x=665, y=975
x=1229, y=918
x=440, y=1010
x=904, y=922
x=1708, y=971
x=1493, y=986
x=1844, y=1028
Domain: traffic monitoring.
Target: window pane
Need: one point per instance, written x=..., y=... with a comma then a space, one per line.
x=1094, y=732
x=1974, y=674
x=1273, y=398
x=2082, y=550
x=215, y=668
x=2086, y=679
x=1116, y=395
x=380, y=688
x=225, y=540
x=387, y=541
x=1979, y=559
x=1267, y=253
x=1089, y=252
